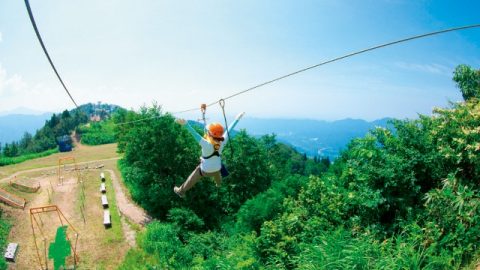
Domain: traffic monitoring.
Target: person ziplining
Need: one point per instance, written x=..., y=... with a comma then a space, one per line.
x=212, y=144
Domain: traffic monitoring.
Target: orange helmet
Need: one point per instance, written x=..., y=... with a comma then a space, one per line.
x=215, y=130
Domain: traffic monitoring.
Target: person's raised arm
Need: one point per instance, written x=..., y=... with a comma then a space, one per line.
x=192, y=131
x=232, y=126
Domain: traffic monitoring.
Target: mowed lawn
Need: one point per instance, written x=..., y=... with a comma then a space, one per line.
x=82, y=153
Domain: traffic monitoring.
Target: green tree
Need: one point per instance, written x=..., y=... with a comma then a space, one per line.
x=158, y=155
x=267, y=205
x=249, y=171
x=10, y=150
x=121, y=130
x=26, y=142
x=468, y=80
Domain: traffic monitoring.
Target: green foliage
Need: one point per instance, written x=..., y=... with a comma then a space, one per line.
x=14, y=160
x=458, y=140
x=97, y=133
x=285, y=160
x=161, y=247
x=4, y=231
x=236, y=252
x=158, y=155
x=266, y=205
x=339, y=249
x=453, y=224
x=249, y=171
x=321, y=206
x=468, y=80
x=138, y=259
x=121, y=130
x=185, y=219
x=162, y=241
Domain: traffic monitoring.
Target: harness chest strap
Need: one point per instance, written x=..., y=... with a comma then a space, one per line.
x=215, y=153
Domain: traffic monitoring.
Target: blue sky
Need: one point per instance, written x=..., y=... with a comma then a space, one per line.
x=183, y=53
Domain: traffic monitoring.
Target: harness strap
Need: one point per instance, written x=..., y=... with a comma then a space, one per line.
x=215, y=153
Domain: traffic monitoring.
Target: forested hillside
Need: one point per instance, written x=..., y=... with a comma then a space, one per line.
x=393, y=200
x=44, y=141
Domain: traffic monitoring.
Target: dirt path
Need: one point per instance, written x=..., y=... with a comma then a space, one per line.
x=135, y=213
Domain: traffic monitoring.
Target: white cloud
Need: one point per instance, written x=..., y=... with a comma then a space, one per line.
x=16, y=92
x=434, y=68
x=10, y=85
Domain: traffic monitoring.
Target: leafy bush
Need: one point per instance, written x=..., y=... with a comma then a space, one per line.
x=236, y=252
x=185, y=219
x=97, y=138
x=162, y=241
x=266, y=205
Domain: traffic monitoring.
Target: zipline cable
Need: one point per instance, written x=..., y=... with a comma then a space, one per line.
x=30, y=14
x=324, y=63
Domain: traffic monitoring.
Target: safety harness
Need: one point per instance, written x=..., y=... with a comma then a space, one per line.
x=223, y=170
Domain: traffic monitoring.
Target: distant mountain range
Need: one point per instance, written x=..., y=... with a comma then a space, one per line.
x=313, y=137
x=13, y=126
x=22, y=110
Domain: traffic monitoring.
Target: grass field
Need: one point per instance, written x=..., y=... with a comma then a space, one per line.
x=98, y=248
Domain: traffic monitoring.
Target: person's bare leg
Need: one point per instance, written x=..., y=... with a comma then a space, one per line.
x=194, y=177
